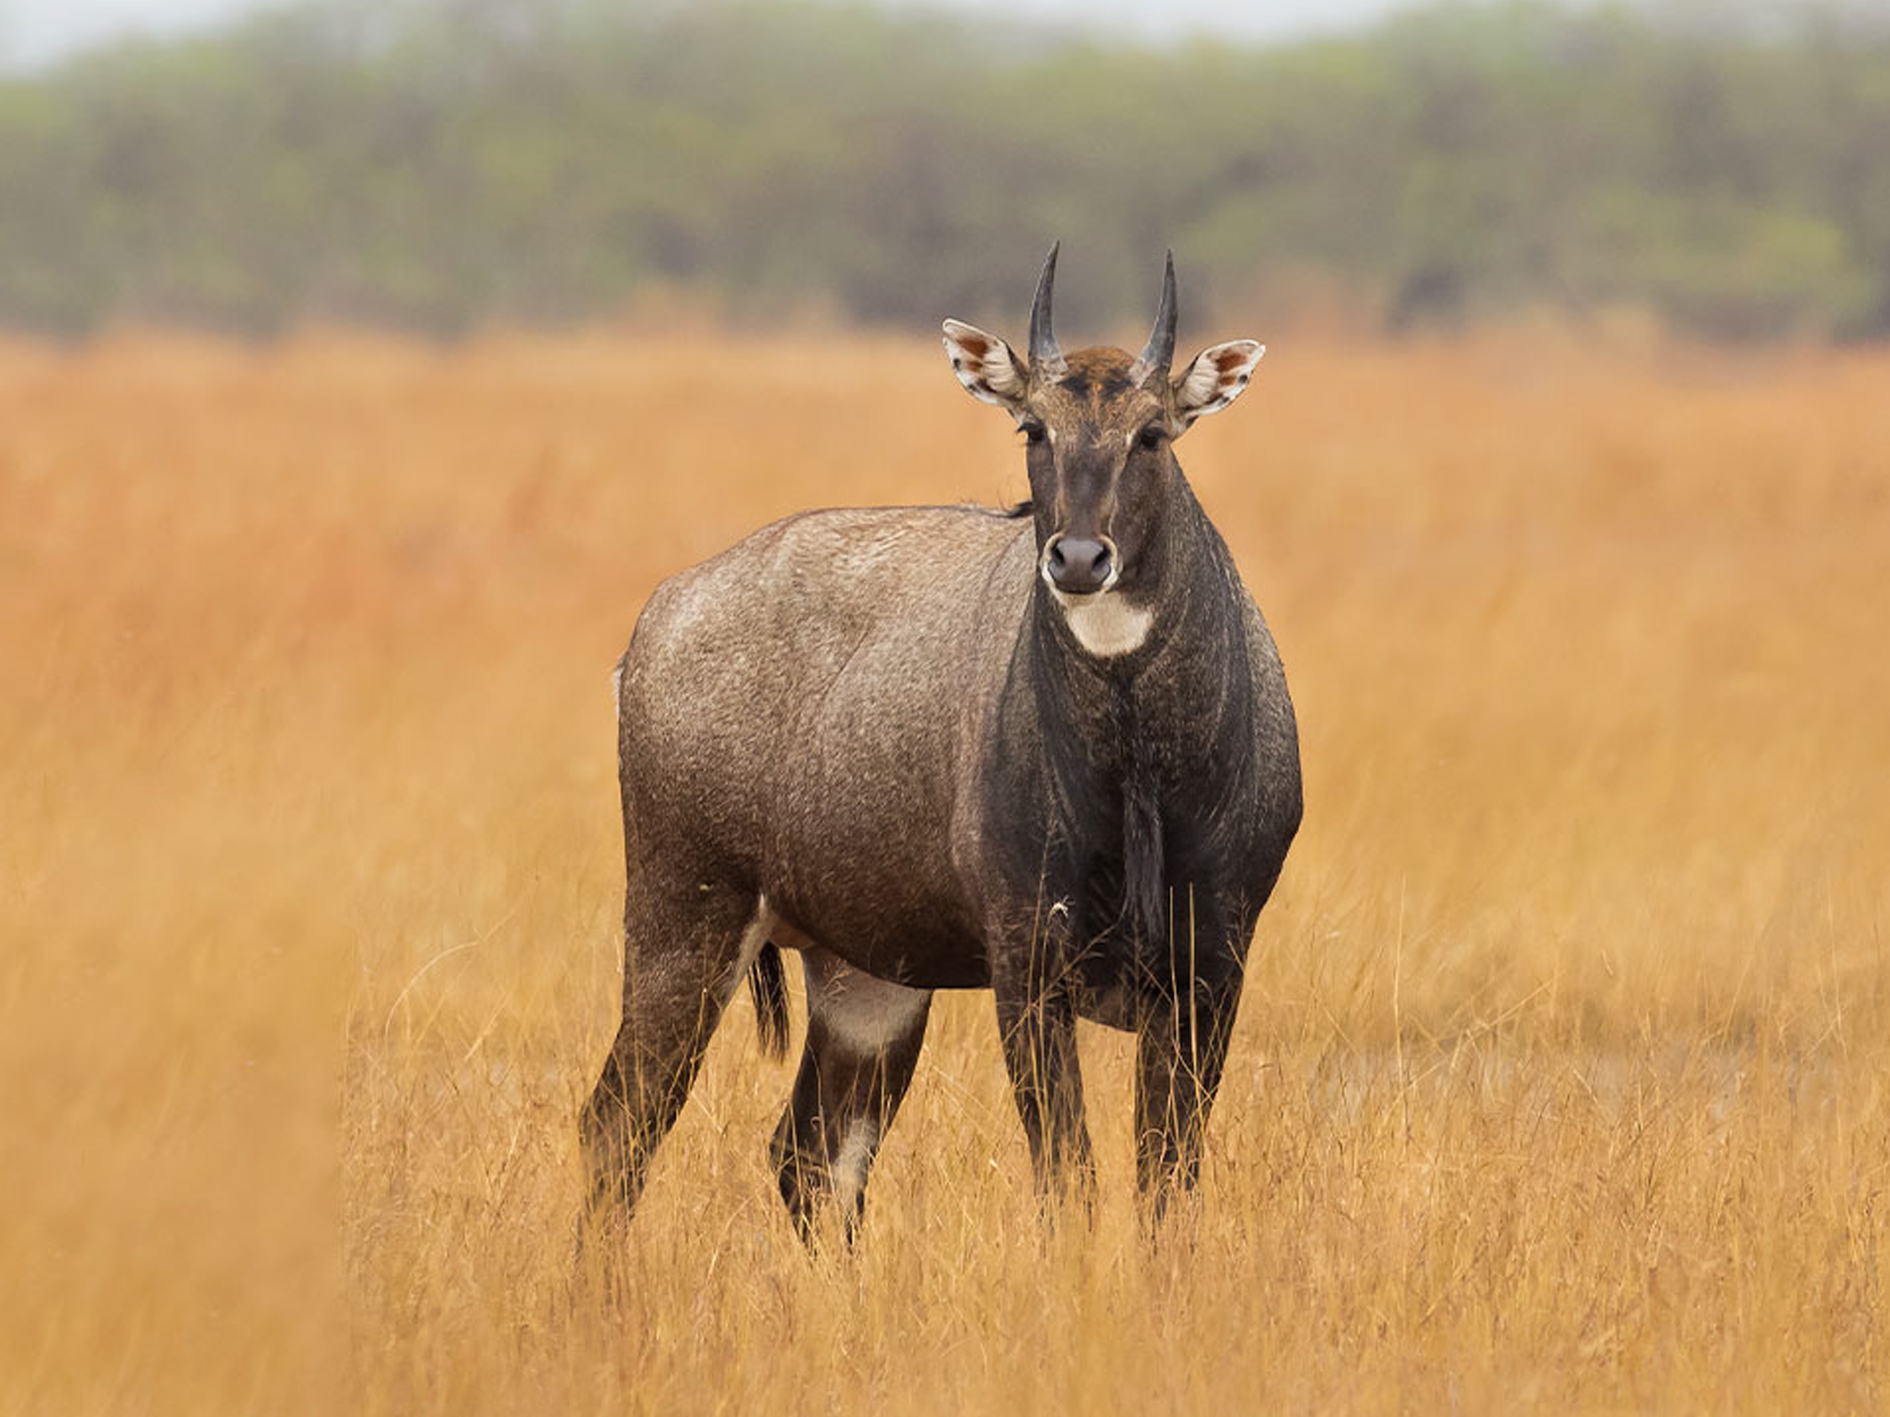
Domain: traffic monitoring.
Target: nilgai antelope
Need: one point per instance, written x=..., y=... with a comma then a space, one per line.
x=1048, y=752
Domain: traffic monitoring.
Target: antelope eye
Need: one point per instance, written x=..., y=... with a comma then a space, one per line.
x=1151, y=436
x=1033, y=431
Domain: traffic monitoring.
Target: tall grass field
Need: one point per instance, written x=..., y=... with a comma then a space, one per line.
x=1562, y=1077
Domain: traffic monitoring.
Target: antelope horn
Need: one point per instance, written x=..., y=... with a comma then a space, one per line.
x=1159, y=352
x=1045, y=357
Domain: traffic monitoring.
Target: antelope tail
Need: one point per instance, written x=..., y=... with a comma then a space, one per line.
x=768, y=983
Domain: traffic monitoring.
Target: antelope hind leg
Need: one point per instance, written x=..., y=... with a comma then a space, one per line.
x=686, y=949
x=863, y=1041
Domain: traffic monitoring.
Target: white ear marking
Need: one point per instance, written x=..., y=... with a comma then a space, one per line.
x=1216, y=377
x=984, y=364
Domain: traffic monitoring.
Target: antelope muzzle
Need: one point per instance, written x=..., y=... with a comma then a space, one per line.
x=1080, y=565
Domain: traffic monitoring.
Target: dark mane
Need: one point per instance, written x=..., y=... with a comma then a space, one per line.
x=1017, y=512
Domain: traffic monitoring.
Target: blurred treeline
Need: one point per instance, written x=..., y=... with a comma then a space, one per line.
x=434, y=165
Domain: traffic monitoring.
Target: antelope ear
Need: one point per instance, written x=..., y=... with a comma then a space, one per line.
x=985, y=365
x=1215, y=378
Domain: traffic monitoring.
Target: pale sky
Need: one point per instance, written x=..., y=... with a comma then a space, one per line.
x=33, y=32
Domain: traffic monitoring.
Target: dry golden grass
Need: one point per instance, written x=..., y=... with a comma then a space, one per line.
x=1561, y=1079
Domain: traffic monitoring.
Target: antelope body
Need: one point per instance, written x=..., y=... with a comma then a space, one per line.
x=1047, y=752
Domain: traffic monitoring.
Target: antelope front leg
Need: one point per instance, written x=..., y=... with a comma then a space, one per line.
x=1181, y=1052
x=1037, y=1025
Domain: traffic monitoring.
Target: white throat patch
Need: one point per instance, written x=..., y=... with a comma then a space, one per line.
x=1105, y=623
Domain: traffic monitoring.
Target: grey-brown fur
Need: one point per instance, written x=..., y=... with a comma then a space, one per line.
x=882, y=722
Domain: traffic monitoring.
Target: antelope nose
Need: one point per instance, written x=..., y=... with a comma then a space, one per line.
x=1078, y=565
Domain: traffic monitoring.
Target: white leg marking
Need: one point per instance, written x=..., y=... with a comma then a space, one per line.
x=850, y=1163
x=1105, y=623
